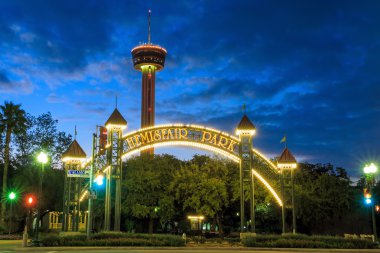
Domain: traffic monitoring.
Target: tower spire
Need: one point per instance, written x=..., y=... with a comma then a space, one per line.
x=149, y=59
x=149, y=11
x=75, y=132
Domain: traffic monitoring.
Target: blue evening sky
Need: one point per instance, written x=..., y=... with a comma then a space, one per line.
x=310, y=69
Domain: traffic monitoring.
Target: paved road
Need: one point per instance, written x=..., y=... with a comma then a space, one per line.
x=14, y=246
x=9, y=245
x=187, y=250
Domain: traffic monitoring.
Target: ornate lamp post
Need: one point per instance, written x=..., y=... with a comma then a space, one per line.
x=370, y=171
x=41, y=158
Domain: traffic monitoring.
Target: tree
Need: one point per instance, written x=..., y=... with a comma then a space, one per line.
x=203, y=186
x=323, y=196
x=146, y=188
x=41, y=134
x=12, y=121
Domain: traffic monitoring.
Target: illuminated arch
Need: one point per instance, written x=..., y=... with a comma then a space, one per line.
x=186, y=144
x=137, y=141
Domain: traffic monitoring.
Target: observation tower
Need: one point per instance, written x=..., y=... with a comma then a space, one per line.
x=148, y=58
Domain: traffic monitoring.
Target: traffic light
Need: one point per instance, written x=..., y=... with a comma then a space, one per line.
x=377, y=208
x=99, y=179
x=367, y=196
x=102, y=140
x=30, y=201
x=12, y=196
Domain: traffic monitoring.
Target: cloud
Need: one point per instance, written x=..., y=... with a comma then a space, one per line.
x=307, y=69
x=16, y=87
x=54, y=98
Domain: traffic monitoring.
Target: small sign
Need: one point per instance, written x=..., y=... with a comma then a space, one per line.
x=93, y=194
x=78, y=173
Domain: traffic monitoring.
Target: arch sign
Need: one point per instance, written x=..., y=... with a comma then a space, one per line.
x=178, y=134
x=195, y=136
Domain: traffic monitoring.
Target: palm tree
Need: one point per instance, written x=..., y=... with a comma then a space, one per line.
x=12, y=121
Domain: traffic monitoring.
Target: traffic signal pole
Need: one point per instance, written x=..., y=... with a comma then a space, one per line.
x=374, y=224
x=373, y=214
x=39, y=203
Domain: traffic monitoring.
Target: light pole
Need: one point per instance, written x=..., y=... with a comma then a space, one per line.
x=42, y=158
x=369, y=171
x=90, y=198
x=11, y=197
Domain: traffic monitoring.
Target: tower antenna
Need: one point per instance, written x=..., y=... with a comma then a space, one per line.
x=149, y=11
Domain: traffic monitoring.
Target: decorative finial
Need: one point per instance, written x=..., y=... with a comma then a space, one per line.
x=149, y=11
x=116, y=102
x=75, y=132
x=244, y=108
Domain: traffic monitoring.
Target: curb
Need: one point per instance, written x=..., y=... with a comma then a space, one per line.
x=31, y=249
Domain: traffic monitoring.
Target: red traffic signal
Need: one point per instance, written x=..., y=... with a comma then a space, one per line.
x=30, y=200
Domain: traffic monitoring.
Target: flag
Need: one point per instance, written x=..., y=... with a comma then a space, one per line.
x=283, y=139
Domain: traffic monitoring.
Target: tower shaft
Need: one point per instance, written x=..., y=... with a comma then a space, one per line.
x=148, y=58
x=148, y=98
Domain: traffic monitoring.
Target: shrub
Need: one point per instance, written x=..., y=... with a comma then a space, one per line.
x=304, y=241
x=113, y=239
x=51, y=240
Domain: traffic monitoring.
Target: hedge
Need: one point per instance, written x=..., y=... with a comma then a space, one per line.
x=113, y=239
x=304, y=241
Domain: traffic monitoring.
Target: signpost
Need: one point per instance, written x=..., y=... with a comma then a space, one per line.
x=78, y=173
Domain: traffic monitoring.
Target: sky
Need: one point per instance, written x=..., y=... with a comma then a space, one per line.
x=309, y=70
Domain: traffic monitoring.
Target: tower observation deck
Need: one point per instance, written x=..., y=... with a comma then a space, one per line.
x=148, y=58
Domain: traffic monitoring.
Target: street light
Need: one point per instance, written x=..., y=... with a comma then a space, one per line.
x=371, y=168
x=41, y=158
x=369, y=171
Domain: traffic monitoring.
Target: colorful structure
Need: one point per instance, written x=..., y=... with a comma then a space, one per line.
x=253, y=164
x=149, y=59
x=286, y=164
x=72, y=159
x=115, y=126
x=246, y=130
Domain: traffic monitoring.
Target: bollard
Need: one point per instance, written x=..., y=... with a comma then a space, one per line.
x=25, y=237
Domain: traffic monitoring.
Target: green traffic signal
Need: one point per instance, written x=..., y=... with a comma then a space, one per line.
x=12, y=196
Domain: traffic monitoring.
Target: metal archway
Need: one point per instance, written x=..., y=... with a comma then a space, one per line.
x=121, y=146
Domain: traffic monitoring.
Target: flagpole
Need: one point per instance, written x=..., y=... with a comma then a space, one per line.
x=285, y=141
